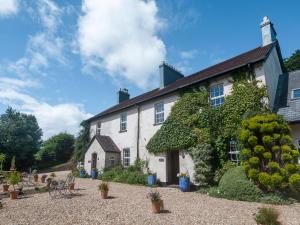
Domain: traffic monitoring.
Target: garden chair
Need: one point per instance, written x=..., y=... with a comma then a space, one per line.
x=60, y=188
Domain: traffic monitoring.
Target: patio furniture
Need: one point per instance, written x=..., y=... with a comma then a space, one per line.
x=28, y=179
x=60, y=188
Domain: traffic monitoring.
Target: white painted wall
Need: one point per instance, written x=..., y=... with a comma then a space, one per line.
x=186, y=164
x=95, y=147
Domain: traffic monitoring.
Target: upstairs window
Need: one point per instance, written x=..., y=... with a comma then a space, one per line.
x=296, y=93
x=123, y=122
x=159, y=115
x=98, y=129
x=234, y=152
x=217, y=95
x=126, y=157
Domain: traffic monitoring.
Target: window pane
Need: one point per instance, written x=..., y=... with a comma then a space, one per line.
x=159, y=113
x=296, y=93
x=123, y=122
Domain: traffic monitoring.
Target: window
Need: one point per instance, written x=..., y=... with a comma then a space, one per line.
x=234, y=152
x=112, y=161
x=296, y=93
x=98, y=129
x=126, y=157
x=123, y=122
x=159, y=116
x=217, y=95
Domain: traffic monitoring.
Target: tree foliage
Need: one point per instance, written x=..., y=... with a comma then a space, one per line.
x=20, y=136
x=81, y=142
x=269, y=157
x=293, y=62
x=57, y=149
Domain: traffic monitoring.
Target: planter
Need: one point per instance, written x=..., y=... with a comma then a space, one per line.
x=43, y=179
x=36, y=179
x=72, y=186
x=82, y=173
x=151, y=179
x=184, y=183
x=14, y=194
x=5, y=187
x=104, y=194
x=94, y=174
x=156, y=205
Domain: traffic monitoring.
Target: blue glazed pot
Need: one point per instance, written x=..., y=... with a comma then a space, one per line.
x=152, y=179
x=94, y=174
x=82, y=173
x=184, y=183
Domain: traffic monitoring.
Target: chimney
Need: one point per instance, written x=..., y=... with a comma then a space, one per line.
x=268, y=31
x=168, y=74
x=123, y=95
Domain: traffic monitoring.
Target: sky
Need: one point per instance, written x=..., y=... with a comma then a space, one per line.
x=64, y=60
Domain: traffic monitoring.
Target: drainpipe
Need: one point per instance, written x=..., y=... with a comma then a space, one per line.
x=138, y=134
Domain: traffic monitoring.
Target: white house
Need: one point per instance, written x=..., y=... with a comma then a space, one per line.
x=133, y=121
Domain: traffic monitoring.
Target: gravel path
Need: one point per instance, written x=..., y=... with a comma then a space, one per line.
x=128, y=205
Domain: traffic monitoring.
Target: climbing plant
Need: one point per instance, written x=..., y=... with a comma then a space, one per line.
x=269, y=157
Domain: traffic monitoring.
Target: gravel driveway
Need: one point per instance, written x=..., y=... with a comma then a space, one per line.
x=128, y=205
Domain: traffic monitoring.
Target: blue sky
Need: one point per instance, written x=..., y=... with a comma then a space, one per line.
x=64, y=61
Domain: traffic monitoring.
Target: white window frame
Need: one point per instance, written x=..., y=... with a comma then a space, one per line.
x=123, y=122
x=159, y=116
x=98, y=128
x=214, y=97
x=293, y=95
x=126, y=157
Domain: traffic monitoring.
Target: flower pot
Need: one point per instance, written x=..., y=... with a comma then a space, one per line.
x=94, y=174
x=14, y=194
x=104, y=194
x=72, y=186
x=43, y=179
x=36, y=179
x=151, y=179
x=156, y=206
x=82, y=173
x=5, y=187
x=184, y=184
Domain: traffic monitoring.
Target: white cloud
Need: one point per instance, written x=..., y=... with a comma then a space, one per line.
x=8, y=7
x=51, y=118
x=121, y=37
x=50, y=14
x=190, y=54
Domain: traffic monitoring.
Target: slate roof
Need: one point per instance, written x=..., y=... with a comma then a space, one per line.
x=253, y=56
x=289, y=108
x=106, y=143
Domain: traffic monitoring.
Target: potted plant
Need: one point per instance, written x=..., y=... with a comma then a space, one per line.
x=14, y=179
x=103, y=188
x=267, y=216
x=43, y=178
x=157, y=202
x=52, y=175
x=151, y=178
x=94, y=173
x=5, y=186
x=81, y=172
x=184, y=181
x=36, y=177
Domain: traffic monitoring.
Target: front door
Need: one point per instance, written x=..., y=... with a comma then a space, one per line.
x=94, y=161
x=173, y=166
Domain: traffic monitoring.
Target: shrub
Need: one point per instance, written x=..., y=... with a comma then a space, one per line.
x=267, y=216
x=220, y=172
x=271, y=151
x=294, y=181
x=103, y=186
x=235, y=185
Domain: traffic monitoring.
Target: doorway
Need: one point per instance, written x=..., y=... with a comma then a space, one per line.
x=172, y=166
x=94, y=161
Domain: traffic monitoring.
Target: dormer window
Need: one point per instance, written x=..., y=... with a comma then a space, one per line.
x=296, y=93
x=98, y=129
x=123, y=122
x=217, y=95
x=159, y=115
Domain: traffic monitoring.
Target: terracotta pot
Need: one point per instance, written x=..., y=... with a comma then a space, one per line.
x=14, y=194
x=104, y=194
x=5, y=187
x=72, y=186
x=156, y=206
x=43, y=179
x=36, y=179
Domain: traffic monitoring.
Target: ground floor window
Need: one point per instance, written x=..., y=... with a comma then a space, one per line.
x=234, y=152
x=126, y=157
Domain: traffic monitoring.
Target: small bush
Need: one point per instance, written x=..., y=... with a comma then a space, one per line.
x=267, y=216
x=220, y=172
x=294, y=181
x=264, y=179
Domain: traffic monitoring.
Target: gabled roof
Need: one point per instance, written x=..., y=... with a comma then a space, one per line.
x=250, y=57
x=107, y=144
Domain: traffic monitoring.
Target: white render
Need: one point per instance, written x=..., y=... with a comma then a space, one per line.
x=95, y=147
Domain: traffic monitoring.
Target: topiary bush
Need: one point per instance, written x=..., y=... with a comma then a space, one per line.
x=235, y=185
x=269, y=157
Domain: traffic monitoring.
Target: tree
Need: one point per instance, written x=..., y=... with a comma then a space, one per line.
x=2, y=160
x=293, y=62
x=81, y=142
x=269, y=157
x=20, y=136
x=57, y=149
